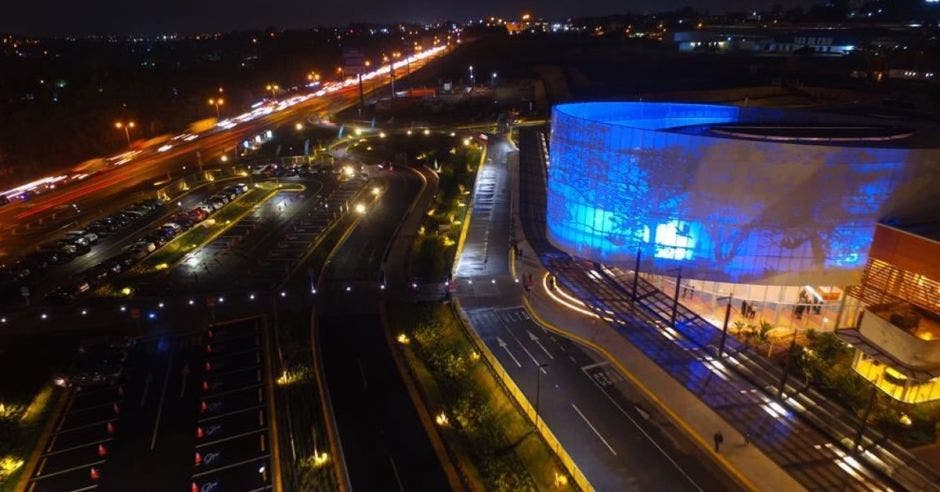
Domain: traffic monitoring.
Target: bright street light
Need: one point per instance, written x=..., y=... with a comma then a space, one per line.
x=126, y=126
x=273, y=88
x=217, y=101
x=360, y=208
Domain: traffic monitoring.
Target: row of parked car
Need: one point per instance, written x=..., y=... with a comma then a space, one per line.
x=74, y=244
x=178, y=223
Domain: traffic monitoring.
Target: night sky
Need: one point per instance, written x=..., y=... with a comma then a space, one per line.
x=43, y=17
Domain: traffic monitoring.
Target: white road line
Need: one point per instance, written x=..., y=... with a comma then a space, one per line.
x=597, y=364
x=588, y=422
x=401, y=487
x=645, y=434
x=77, y=446
x=80, y=427
x=502, y=344
x=534, y=360
x=229, y=438
x=235, y=390
x=226, y=414
x=535, y=339
x=233, y=465
x=83, y=489
x=166, y=382
x=67, y=470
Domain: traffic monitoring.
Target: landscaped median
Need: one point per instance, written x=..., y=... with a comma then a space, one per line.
x=174, y=251
x=492, y=441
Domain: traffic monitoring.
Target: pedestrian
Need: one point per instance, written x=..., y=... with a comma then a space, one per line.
x=747, y=438
x=718, y=440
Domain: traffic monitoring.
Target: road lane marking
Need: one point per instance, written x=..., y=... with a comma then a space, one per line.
x=233, y=465
x=229, y=438
x=166, y=382
x=643, y=431
x=597, y=364
x=401, y=487
x=502, y=344
x=535, y=339
x=599, y=436
x=67, y=470
x=524, y=349
x=185, y=372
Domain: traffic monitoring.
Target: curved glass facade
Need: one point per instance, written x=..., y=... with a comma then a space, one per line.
x=624, y=177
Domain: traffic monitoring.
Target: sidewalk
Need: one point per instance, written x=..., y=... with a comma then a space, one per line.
x=751, y=467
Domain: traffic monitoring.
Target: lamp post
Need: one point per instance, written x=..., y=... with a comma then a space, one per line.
x=493, y=79
x=538, y=391
x=217, y=101
x=120, y=125
x=471, y=75
x=724, y=327
x=273, y=88
x=675, y=298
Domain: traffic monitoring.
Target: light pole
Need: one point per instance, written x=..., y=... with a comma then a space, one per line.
x=724, y=327
x=471, y=76
x=217, y=102
x=120, y=125
x=675, y=298
x=538, y=391
x=273, y=88
x=493, y=79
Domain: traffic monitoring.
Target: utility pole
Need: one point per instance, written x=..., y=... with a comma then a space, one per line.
x=724, y=327
x=538, y=391
x=361, y=95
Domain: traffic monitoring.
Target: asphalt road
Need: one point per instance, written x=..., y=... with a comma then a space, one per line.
x=384, y=443
x=599, y=418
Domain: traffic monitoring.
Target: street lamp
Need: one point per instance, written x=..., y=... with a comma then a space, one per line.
x=313, y=77
x=471, y=75
x=493, y=79
x=273, y=88
x=120, y=125
x=538, y=390
x=217, y=101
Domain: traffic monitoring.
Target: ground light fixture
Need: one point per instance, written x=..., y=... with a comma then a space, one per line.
x=251, y=296
x=283, y=294
x=360, y=208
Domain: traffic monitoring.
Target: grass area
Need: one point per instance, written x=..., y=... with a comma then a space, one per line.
x=308, y=466
x=27, y=396
x=455, y=159
x=826, y=362
x=496, y=445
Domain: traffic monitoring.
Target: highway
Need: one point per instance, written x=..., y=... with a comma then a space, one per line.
x=384, y=443
x=614, y=436
x=24, y=222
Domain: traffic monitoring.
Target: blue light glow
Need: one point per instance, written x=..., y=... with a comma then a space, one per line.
x=652, y=177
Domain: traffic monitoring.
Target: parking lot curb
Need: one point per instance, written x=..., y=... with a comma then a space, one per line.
x=329, y=417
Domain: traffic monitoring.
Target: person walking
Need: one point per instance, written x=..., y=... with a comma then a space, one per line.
x=718, y=440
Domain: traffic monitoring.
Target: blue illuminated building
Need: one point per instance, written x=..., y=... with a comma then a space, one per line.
x=732, y=194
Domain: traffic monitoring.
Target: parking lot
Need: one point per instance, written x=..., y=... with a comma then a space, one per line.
x=263, y=247
x=188, y=410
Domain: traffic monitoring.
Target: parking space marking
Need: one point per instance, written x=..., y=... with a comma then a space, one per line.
x=230, y=438
x=233, y=465
x=67, y=470
x=233, y=412
x=77, y=446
